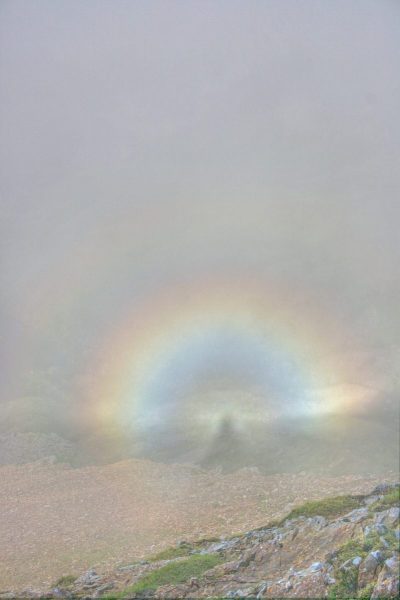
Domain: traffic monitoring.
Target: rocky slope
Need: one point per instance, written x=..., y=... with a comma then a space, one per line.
x=340, y=547
x=55, y=520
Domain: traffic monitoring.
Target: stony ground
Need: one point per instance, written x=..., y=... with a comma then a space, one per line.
x=345, y=547
x=55, y=520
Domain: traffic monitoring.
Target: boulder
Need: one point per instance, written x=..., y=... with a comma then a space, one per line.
x=367, y=571
x=388, y=517
x=387, y=585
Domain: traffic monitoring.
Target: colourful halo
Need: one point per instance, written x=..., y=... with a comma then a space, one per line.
x=170, y=338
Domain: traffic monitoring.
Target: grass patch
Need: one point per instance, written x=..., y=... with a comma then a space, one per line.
x=346, y=580
x=390, y=499
x=66, y=581
x=376, y=541
x=366, y=592
x=270, y=525
x=208, y=540
x=345, y=586
x=329, y=507
x=361, y=547
x=349, y=550
x=185, y=549
x=170, y=553
x=171, y=574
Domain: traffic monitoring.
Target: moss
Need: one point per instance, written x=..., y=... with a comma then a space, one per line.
x=65, y=581
x=171, y=574
x=329, y=507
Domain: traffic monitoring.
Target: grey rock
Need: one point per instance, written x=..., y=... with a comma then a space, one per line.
x=384, y=543
x=248, y=556
x=378, y=528
x=370, y=500
x=58, y=593
x=367, y=570
x=377, y=554
x=392, y=564
x=235, y=594
x=126, y=568
x=367, y=530
x=357, y=515
x=388, y=517
x=261, y=591
x=380, y=516
x=288, y=586
x=393, y=515
x=220, y=546
x=317, y=566
x=231, y=567
x=382, y=488
x=369, y=564
x=350, y=563
x=318, y=522
x=89, y=578
x=387, y=585
x=104, y=588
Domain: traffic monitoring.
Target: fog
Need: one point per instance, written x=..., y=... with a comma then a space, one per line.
x=200, y=229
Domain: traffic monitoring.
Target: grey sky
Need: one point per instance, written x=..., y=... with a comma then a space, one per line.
x=149, y=143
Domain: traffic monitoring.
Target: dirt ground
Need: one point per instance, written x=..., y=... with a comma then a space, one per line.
x=55, y=520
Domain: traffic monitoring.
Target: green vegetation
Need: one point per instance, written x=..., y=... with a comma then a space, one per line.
x=346, y=584
x=387, y=543
x=173, y=573
x=390, y=499
x=207, y=540
x=66, y=581
x=194, y=565
x=366, y=592
x=349, y=550
x=170, y=553
x=329, y=507
x=376, y=541
x=346, y=580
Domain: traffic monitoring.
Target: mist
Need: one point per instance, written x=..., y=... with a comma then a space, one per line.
x=200, y=217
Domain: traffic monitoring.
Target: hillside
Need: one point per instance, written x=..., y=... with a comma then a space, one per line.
x=340, y=547
x=25, y=447
x=56, y=520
